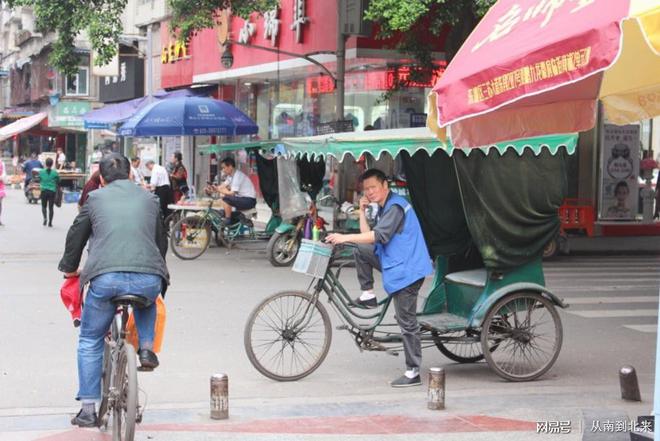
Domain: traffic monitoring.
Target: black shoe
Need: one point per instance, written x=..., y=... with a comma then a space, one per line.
x=368, y=304
x=44, y=222
x=85, y=419
x=50, y=224
x=404, y=381
x=148, y=360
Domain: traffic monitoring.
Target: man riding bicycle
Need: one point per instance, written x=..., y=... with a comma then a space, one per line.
x=125, y=257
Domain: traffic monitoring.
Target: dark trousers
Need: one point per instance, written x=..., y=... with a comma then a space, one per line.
x=47, y=200
x=405, y=303
x=166, y=197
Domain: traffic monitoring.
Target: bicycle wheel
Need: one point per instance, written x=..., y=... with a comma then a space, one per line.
x=105, y=386
x=459, y=351
x=170, y=221
x=283, y=248
x=288, y=336
x=190, y=237
x=522, y=336
x=124, y=412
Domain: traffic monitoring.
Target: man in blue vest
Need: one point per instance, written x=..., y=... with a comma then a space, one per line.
x=395, y=246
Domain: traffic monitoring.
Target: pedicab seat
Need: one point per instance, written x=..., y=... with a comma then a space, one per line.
x=476, y=277
x=443, y=322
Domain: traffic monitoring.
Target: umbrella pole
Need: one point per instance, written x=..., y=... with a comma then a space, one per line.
x=656, y=393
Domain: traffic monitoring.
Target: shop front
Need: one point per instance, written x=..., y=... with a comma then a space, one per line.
x=65, y=118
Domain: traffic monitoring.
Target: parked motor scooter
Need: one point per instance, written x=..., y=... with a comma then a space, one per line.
x=33, y=189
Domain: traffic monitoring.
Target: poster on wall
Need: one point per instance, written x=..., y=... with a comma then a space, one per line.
x=620, y=169
x=171, y=144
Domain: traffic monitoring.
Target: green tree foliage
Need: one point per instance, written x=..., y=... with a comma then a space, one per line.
x=100, y=18
x=190, y=16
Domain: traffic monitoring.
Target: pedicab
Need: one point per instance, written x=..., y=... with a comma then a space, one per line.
x=486, y=214
x=194, y=222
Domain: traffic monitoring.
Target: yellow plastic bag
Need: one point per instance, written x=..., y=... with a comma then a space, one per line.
x=159, y=327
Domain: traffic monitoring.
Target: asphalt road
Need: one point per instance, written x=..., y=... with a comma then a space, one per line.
x=611, y=322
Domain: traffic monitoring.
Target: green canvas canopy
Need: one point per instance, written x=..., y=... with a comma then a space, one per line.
x=501, y=199
x=412, y=140
x=207, y=149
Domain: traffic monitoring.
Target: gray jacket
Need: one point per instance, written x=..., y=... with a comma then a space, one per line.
x=122, y=223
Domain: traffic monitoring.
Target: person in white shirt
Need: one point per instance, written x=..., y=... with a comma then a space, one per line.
x=160, y=184
x=136, y=174
x=237, y=191
x=60, y=160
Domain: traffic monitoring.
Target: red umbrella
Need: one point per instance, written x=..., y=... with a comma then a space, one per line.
x=536, y=67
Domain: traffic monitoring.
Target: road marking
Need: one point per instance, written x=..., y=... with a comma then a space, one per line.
x=616, y=313
x=597, y=300
x=643, y=328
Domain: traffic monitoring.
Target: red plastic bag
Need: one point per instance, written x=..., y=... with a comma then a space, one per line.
x=71, y=295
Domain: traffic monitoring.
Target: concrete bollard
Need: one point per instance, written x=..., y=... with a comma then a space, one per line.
x=436, y=394
x=629, y=384
x=219, y=397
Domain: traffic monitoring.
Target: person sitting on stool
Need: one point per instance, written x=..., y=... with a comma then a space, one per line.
x=395, y=246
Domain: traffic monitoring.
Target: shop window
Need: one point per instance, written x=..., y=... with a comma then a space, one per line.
x=77, y=85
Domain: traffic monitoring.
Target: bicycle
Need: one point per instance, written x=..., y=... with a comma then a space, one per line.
x=191, y=235
x=119, y=380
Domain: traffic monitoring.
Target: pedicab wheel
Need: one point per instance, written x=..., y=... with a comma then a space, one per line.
x=522, y=336
x=459, y=351
x=283, y=248
x=105, y=386
x=551, y=249
x=124, y=411
x=288, y=336
x=190, y=237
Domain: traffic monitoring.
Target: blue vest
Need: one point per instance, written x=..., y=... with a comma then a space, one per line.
x=405, y=258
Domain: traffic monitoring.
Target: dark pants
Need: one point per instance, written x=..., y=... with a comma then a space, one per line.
x=47, y=199
x=166, y=197
x=405, y=303
x=240, y=203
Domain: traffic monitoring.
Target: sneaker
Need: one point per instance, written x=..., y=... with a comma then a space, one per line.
x=84, y=419
x=404, y=381
x=368, y=304
x=148, y=360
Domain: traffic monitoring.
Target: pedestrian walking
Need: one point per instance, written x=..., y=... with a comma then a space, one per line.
x=124, y=258
x=396, y=247
x=160, y=185
x=48, y=181
x=179, y=177
x=3, y=179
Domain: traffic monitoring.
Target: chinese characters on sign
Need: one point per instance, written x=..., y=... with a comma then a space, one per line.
x=530, y=74
x=271, y=26
x=246, y=32
x=299, y=18
x=544, y=9
x=174, y=52
x=114, y=79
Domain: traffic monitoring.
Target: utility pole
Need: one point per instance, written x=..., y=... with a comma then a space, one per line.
x=341, y=62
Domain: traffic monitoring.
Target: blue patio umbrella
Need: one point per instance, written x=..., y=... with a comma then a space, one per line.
x=188, y=116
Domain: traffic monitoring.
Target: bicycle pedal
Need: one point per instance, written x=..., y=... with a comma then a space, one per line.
x=342, y=328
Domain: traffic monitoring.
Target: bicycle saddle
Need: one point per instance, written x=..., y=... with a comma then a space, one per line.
x=132, y=300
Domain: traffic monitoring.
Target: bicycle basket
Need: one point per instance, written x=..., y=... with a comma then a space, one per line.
x=313, y=258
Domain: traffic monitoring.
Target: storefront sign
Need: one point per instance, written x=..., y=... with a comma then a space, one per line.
x=271, y=26
x=173, y=52
x=246, y=32
x=299, y=19
x=68, y=114
x=619, y=171
x=127, y=85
